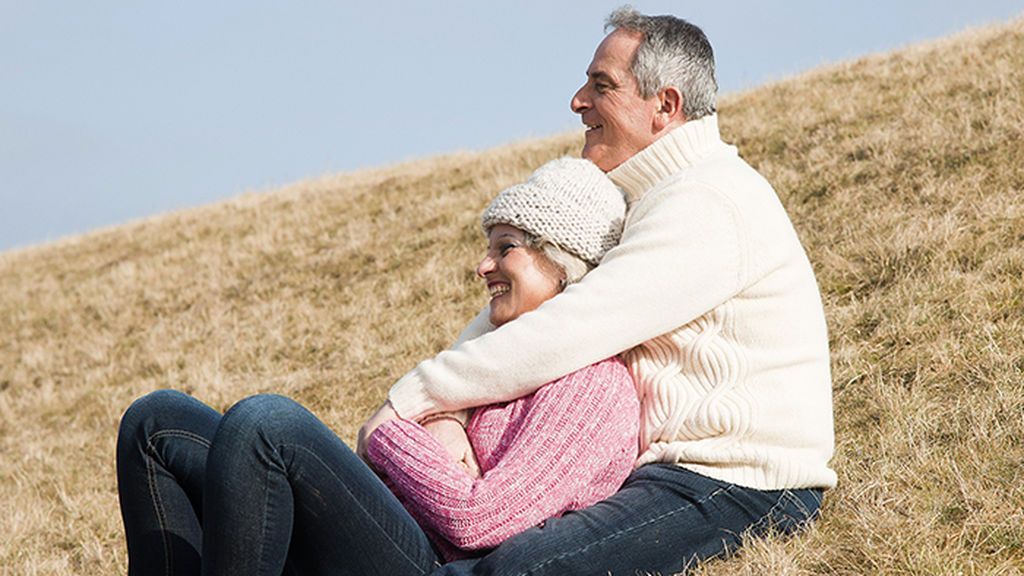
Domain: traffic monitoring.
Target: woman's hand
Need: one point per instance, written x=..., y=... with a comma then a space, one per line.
x=450, y=434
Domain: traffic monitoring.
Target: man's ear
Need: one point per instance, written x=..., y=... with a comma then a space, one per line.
x=670, y=109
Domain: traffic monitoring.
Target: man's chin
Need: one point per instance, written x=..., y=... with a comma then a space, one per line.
x=593, y=153
x=602, y=161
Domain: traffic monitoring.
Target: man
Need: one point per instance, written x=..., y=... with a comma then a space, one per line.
x=711, y=301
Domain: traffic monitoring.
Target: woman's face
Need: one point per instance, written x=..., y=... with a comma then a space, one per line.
x=518, y=278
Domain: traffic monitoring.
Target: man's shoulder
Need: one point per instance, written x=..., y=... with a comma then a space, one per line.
x=726, y=177
x=723, y=189
x=724, y=174
x=727, y=170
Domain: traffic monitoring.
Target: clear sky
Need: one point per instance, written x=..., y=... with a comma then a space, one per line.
x=111, y=111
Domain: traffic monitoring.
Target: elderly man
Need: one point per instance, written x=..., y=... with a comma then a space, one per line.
x=711, y=301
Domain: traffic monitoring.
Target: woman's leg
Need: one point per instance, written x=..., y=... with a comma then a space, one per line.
x=663, y=520
x=161, y=459
x=280, y=485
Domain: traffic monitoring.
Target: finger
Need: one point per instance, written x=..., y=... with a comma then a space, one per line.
x=471, y=465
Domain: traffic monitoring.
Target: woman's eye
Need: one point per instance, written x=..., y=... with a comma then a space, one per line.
x=505, y=248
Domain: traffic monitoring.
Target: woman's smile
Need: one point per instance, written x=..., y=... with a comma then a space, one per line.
x=497, y=289
x=519, y=278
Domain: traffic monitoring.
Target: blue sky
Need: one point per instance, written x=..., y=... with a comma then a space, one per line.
x=112, y=111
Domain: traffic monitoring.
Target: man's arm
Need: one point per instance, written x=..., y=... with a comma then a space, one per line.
x=478, y=326
x=444, y=431
x=680, y=256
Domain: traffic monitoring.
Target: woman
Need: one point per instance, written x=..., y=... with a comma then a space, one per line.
x=267, y=488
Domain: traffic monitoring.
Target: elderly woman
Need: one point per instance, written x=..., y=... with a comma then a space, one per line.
x=267, y=488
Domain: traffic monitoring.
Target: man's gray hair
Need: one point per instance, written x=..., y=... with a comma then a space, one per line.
x=673, y=52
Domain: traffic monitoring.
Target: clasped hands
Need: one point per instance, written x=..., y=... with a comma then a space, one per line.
x=446, y=430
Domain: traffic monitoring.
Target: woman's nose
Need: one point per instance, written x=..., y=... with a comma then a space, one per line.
x=485, y=267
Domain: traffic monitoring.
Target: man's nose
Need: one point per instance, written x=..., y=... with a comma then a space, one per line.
x=579, y=103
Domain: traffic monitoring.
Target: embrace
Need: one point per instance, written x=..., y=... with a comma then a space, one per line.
x=648, y=386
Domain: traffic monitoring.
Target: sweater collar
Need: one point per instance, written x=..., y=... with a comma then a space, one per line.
x=680, y=148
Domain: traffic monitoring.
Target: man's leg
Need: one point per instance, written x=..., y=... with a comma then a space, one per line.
x=161, y=460
x=282, y=486
x=664, y=519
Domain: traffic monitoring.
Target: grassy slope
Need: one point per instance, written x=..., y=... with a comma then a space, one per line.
x=904, y=175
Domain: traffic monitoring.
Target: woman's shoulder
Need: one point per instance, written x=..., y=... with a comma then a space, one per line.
x=610, y=370
x=613, y=364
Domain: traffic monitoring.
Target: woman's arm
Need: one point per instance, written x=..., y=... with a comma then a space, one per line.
x=576, y=444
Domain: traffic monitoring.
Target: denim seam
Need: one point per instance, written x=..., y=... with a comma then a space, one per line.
x=818, y=496
x=708, y=498
x=158, y=507
x=263, y=527
x=354, y=499
x=771, y=511
x=799, y=504
x=154, y=492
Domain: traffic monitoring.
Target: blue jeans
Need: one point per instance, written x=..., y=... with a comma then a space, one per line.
x=265, y=489
x=663, y=520
x=268, y=489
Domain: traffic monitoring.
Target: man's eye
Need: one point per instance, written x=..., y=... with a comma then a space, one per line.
x=602, y=87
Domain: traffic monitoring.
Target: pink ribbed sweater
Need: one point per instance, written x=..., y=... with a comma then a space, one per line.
x=567, y=446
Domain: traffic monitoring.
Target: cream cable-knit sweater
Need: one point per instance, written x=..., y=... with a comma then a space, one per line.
x=715, y=302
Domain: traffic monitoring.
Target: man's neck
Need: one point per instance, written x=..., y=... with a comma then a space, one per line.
x=677, y=149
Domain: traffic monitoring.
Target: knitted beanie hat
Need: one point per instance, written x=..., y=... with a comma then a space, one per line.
x=569, y=202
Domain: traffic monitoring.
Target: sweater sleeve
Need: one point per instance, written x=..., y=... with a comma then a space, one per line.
x=572, y=432
x=479, y=326
x=681, y=255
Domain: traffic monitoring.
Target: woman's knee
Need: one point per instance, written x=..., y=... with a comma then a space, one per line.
x=163, y=414
x=263, y=415
x=158, y=404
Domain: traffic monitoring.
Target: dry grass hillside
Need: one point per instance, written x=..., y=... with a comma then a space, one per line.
x=903, y=173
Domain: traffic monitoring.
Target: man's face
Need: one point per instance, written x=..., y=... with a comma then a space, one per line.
x=619, y=122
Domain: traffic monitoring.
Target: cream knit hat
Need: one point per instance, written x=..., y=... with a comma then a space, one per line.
x=569, y=202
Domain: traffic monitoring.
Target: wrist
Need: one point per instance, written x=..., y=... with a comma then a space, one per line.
x=439, y=417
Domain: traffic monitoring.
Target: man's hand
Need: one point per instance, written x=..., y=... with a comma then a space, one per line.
x=450, y=433
x=383, y=414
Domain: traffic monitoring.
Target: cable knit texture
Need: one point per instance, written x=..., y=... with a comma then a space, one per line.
x=715, y=302
x=569, y=445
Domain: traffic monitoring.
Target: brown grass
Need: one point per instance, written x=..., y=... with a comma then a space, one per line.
x=904, y=175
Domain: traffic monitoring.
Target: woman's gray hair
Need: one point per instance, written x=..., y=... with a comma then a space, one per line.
x=574, y=267
x=673, y=52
